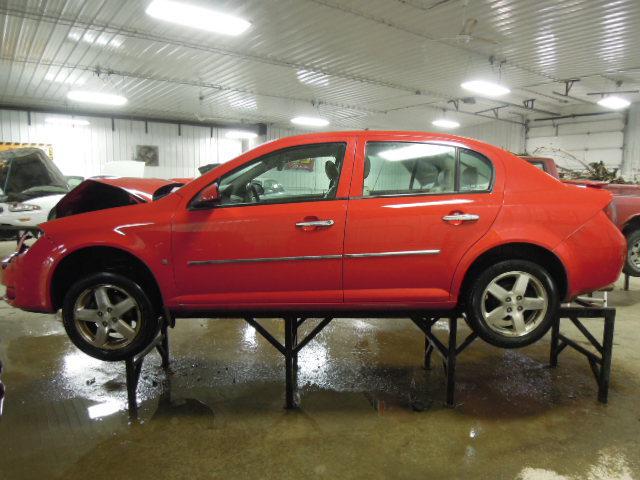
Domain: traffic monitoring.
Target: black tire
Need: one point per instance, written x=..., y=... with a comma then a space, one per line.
x=534, y=323
x=632, y=261
x=141, y=319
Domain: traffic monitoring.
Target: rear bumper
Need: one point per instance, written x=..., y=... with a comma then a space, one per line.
x=593, y=256
x=25, y=277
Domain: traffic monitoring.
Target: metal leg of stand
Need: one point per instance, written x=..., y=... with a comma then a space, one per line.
x=451, y=361
x=626, y=282
x=607, y=349
x=555, y=330
x=295, y=343
x=428, y=351
x=290, y=333
x=163, y=348
x=133, y=367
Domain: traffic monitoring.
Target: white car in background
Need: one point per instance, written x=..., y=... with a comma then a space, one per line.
x=30, y=186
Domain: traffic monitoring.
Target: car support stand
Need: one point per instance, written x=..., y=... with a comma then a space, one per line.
x=599, y=362
x=134, y=365
x=448, y=352
x=290, y=350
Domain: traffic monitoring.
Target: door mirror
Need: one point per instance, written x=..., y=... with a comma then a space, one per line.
x=208, y=197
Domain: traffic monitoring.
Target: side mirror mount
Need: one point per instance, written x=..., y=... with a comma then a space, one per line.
x=208, y=197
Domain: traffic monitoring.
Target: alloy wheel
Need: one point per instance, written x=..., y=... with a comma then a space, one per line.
x=107, y=317
x=514, y=303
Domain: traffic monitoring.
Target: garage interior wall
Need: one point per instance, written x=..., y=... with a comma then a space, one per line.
x=84, y=150
x=510, y=136
x=582, y=139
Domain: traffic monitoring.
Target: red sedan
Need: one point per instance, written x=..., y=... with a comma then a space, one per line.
x=348, y=223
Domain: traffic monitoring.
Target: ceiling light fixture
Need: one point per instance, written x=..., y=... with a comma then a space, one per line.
x=197, y=17
x=68, y=122
x=99, y=98
x=484, y=87
x=240, y=135
x=614, y=102
x=444, y=123
x=310, y=121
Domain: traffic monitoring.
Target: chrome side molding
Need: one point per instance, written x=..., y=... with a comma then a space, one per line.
x=392, y=254
x=194, y=263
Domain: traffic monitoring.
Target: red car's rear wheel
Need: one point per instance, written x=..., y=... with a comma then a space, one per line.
x=512, y=303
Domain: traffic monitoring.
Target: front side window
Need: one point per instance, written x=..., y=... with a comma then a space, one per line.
x=404, y=168
x=304, y=173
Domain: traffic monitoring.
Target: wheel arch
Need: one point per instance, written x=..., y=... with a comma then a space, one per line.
x=631, y=225
x=87, y=260
x=517, y=251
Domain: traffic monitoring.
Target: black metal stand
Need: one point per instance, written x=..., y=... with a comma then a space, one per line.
x=448, y=352
x=626, y=282
x=600, y=361
x=134, y=365
x=290, y=350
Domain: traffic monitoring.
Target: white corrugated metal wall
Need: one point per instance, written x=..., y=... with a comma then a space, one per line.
x=84, y=150
x=588, y=139
x=509, y=136
x=631, y=154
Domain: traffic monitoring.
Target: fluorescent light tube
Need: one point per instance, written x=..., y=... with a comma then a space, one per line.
x=85, y=96
x=197, y=17
x=444, y=123
x=614, y=102
x=483, y=87
x=310, y=121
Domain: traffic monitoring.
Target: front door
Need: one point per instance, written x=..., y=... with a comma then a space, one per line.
x=417, y=208
x=276, y=235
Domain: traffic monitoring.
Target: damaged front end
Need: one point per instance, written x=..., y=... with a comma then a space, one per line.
x=102, y=193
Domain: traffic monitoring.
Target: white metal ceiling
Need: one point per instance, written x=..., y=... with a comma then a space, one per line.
x=360, y=63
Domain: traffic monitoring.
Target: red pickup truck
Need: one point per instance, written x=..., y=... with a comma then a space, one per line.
x=624, y=210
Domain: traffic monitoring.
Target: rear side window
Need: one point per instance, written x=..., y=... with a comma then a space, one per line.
x=401, y=168
x=475, y=172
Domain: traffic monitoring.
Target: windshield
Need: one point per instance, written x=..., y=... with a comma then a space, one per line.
x=29, y=173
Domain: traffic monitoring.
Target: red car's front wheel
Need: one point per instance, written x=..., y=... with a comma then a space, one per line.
x=512, y=303
x=108, y=316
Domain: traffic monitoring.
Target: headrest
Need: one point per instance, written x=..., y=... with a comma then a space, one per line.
x=331, y=170
x=469, y=176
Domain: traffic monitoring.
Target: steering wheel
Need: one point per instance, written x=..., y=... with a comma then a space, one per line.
x=252, y=189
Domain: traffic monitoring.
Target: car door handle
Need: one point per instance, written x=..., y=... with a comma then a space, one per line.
x=315, y=223
x=461, y=217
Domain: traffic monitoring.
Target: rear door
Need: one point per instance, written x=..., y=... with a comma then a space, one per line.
x=415, y=209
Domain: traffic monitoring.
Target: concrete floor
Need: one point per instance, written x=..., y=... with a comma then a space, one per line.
x=368, y=408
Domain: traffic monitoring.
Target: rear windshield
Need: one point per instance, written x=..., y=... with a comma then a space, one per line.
x=29, y=173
